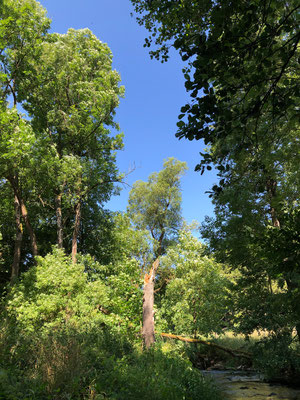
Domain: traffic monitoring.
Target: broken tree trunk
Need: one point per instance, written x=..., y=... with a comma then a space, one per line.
x=76, y=230
x=148, y=306
x=233, y=352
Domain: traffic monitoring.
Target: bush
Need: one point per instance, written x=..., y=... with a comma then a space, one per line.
x=64, y=337
x=277, y=356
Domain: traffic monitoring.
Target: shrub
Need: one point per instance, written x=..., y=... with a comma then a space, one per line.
x=64, y=337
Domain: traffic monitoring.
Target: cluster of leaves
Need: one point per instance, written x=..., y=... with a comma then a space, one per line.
x=242, y=65
x=278, y=357
x=77, y=315
x=196, y=297
x=155, y=205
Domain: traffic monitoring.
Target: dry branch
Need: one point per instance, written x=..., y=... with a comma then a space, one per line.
x=234, y=353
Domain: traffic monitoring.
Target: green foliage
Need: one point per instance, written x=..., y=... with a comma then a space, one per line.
x=156, y=205
x=69, y=328
x=17, y=140
x=242, y=72
x=23, y=25
x=266, y=294
x=278, y=357
x=60, y=157
x=155, y=375
x=95, y=366
x=56, y=292
x=196, y=298
x=130, y=242
x=7, y=231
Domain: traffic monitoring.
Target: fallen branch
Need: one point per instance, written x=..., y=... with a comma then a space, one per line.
x=234, y=353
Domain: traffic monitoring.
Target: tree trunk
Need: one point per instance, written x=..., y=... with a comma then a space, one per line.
x=29, y=228
x=59, y=222
x=148, y=306
x=14, y=183
x=18, y=243
x=76, y=230
x=271, y=190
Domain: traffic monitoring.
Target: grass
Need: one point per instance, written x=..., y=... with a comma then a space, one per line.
x=96, y=365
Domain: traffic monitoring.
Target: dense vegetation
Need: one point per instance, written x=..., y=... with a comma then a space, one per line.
x=242, y=71
x=80, y=285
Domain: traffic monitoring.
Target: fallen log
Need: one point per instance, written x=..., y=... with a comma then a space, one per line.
x=234, y=353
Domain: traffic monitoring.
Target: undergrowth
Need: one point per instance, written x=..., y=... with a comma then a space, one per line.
x=95, y=365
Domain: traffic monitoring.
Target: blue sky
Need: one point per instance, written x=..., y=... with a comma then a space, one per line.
x=154, y=93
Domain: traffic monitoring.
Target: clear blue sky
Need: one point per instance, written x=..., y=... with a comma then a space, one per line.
x=154, y=94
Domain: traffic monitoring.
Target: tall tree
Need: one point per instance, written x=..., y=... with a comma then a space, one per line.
x=155, y=205
x=17, y=139
x=243, y=76
x=23, y=25
x=73, y=100
x=59, y=159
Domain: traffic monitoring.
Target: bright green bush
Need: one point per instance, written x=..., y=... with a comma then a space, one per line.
x=58, y=293
x=196, y=297
x=55, y=293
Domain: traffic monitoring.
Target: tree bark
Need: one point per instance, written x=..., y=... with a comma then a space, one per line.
x=148, y=306
x=76, y=230
x=29, y=228
x=59, y=222
x=271, y=190
x=14, y=183
x=18, y=243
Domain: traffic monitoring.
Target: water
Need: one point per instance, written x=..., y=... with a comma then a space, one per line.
x=240, y=385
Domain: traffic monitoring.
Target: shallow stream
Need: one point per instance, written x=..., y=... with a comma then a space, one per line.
x=240, y=385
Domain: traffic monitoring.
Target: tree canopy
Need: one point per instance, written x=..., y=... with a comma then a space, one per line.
x=156, y=205
x=242, y=68
x=59, y=160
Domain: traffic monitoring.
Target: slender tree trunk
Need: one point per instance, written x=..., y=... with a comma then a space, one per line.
x=14, y=183
x=18, y=243
x=271, y=190
x=29, y=228
x=59, y=223
x=148, y=306
x=76, y=230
